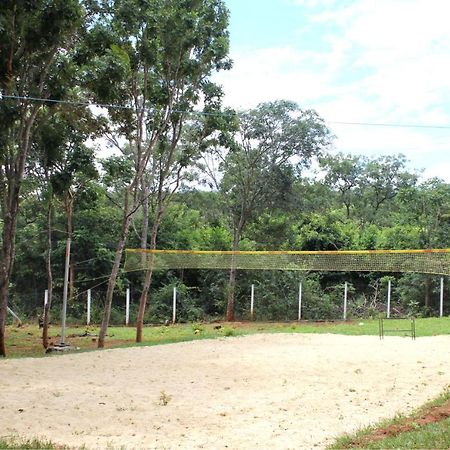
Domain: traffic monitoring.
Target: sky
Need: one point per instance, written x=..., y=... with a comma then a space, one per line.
x=365, y=61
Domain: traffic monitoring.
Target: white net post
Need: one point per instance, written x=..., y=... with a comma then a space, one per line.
x=174, y=305
x=299, y=301
x=441, y=299
x=252, y=302
x=127, y=307
x=345, y=300
x=388, y=311
x=88, y=311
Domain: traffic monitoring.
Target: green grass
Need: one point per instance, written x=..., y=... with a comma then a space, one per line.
x=14, y=443
x=25, y=341
x=430, y=436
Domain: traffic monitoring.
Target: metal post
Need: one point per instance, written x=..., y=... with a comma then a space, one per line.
x=252, y=302
x=65, y=289
x=388, y=312
x=88, y=321
x=174, y=308
x=300, y=301
x=441, y=300
x=127, y=307
x=345, y=300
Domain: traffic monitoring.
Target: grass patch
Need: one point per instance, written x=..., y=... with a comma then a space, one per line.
x=427, y=428
x=26, y=341
x=15, y=443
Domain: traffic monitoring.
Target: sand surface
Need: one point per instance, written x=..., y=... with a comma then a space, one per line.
x=277, y=391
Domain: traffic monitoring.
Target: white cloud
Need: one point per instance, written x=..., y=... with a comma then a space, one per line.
x=385, y=61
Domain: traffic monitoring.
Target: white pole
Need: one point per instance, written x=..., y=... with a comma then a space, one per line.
x=14, y=315
x=345, y=300
x=174, y=308
x=127, y=307
x=388, y=313
x=45, y=298
x=300, y=301
x=441, y=302
x=252, y=301
x=65, y=289
x=88, y=321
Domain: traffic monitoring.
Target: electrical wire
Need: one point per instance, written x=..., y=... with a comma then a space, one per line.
x=392, y=125
x=205, y=113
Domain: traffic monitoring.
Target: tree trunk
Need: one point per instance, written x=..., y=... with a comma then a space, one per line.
x=143, y=304
x=10, y=197
x=3, y=309
x=147, y=281
x=148, y=274
x=232, y=280
x=113, y=278
x=49, y=276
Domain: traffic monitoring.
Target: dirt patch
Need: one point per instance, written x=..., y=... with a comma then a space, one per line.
x=432, y=415
x=280, y=391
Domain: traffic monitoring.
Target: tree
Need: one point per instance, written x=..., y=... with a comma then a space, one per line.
x=383, y=178
x=65, y=165
x=171, y=158
x=154, y=59
x=34, y=37
x=345, y=174
x=268, y=142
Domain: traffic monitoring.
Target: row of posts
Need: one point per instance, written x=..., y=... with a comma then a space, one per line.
x=252, y=302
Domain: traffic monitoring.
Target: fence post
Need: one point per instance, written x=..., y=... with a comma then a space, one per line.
x=345, y=300
x=441, y=299
x=88, y=319
x=174, y=309
x=252, y=302
x=127, y=307
x=388, y=312
x=299, y=301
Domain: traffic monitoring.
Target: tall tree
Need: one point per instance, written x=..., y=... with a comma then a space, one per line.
x=153, y=58
x=66, y=166
x=345, y=174
x=268, y=141
x=176, y=152
x=34, y=37
x=383, y=178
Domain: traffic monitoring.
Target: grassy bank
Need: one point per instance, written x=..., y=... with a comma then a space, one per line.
x=427, y=428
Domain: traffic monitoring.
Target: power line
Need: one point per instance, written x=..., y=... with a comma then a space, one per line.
x=205, y=113
x=100, y=105
x=391, y=125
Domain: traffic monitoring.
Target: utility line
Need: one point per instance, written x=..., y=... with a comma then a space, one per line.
x=205, y=113
x=392, y=125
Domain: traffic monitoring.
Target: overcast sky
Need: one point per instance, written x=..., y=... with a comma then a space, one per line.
x=370, y=61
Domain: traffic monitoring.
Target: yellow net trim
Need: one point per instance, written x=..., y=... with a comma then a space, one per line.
x=435, y=261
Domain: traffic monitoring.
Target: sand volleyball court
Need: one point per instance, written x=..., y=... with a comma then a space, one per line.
x=283, y=391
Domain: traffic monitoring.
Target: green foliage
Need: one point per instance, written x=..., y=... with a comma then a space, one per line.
x=159, y=56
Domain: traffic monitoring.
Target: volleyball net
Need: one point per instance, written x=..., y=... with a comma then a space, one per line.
x=430, y=261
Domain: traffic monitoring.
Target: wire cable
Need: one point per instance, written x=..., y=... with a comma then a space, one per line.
x=205, y=113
